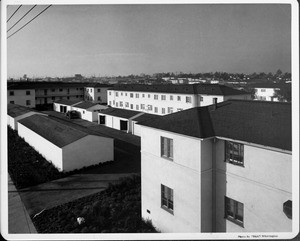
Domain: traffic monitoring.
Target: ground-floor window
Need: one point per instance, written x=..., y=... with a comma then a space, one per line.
x=167, y=202
x=234, y=211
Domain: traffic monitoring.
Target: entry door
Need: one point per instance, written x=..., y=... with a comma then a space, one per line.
x=102, y=119
x=123, y=125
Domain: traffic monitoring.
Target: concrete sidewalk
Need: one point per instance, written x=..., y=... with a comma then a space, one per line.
x=18, y=218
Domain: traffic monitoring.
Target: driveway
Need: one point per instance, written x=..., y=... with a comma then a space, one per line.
x=54, y=193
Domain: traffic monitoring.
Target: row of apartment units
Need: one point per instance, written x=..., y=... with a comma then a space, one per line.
x=39, y=93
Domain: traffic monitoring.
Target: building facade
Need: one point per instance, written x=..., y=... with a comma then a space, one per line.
x=96, y=93
x=166, y=99
x=24, y=97
x=219, y=170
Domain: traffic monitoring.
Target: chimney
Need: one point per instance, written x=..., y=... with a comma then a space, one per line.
x=215, y=100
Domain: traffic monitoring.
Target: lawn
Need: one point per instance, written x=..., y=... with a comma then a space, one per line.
x=25, y=165
x=115, y=210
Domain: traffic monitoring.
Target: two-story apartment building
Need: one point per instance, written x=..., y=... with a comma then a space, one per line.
x=269, y=91
x=166, y=99
x=226, y=167
x=21, y=96
x=33, y=94
x=96, y=93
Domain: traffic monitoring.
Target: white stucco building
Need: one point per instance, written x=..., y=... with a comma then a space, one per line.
x=166, y=99
x=64, y=106
x=67, y=147
x=96, y=93
x=268, y=91
x=220, y=168
x=18, y=112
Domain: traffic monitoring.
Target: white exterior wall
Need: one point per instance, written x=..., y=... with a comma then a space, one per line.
x=56, y=107
x=93, y=94
x=136, y=128
x=19, y=97
x=87, y=151
x=114, y=122
x=47, y=149
x=124, y=96
x=262, y=185
x=265, y=94
x=88, y=114
x=182, y=175
x=11, y=122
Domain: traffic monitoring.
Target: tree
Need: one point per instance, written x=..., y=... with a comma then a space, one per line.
x=284, y=93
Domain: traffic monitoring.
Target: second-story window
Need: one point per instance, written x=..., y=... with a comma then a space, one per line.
x=117, y=94
x=234, y=153
x=163, y=97
x=234, y=211
x=156, y=97
x=11, y=93
x=178, y=98
x=137, y=95
x=166, y=147
x=171, y=97
x=27, y=92
x=99, y=90
x=131, y=95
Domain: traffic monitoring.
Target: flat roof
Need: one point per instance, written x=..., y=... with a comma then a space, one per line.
x=17, y=110
x=56, y=132
x=120, y=112
x=40, y=85
x=85, y=105
x=260, y=122
x=67, y=102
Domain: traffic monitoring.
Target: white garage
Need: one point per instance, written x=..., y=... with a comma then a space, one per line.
x=66, y=147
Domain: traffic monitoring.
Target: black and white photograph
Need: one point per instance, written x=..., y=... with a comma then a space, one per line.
x=149, y=120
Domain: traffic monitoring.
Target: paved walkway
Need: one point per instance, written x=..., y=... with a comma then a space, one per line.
x=54, y=193
x=18, y=218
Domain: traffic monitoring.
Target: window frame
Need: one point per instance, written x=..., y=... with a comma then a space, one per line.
x=167, y=199
x=234, y=207
x=167, y=148
x=230, y=155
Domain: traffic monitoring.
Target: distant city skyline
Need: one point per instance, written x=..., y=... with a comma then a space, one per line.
x=121, y=40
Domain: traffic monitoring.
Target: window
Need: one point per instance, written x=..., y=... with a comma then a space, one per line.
x=11, y=102
x=178, y=98
x=109, y=103
x=201, y=98
x=121, y=93
x=131, y=106
x=163, y=97
x=53, y=98
x=170, y=110
x=171, y=97
x=60, y=90
x=137, y=107
x=11, y=93
x=117, y=104
x=121, y=103
x=167, y=202
x=117, y=94
x=234, y=153
x=155, y=109
x=263, y=90
x=125, y=94
x=166, y=147
x=131, y=95
x=143, y=95
x=126, y=104
x=149, y=107
x=188, y=99
x=109, y=92
x=27, y=92
x=156, y=97
x=163, y=110
x=68, y=97
x=234, y=211
x=99, y=98
x=28, y=102
x=149, y=95
x=98, y=90
x=137, y=95
x=142, y=106
x=114, y=102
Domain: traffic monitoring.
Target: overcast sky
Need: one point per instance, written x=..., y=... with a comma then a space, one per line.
x=132, y=39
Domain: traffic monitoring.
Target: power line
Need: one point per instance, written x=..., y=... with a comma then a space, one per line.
x=22, y=17
x=14, y=13
x=29, y=21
